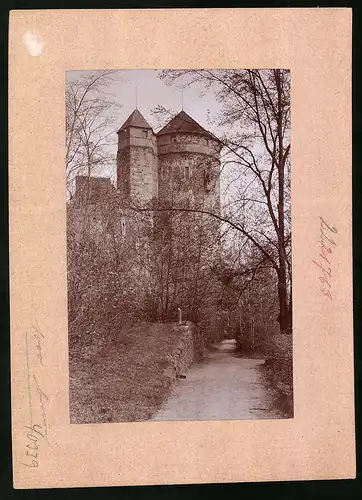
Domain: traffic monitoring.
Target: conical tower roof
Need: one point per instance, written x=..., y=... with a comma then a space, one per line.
x=183, y=123
x=135, y=119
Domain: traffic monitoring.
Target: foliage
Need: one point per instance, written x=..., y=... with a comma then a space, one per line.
x=223, y=267
x=278, y=369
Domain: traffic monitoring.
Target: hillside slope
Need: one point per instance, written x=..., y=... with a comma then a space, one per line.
x=122, y=375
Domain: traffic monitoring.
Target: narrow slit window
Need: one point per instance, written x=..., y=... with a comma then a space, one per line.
x=123, y=227
x=207, y=180
x=187, y=172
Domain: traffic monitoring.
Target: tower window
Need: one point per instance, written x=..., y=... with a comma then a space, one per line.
x=174, y=138
x=123, y=227
x=208, y=180
x=187, y=172
x=145, y=134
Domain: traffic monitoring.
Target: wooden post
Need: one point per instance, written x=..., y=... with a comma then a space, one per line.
x=252, y=335
x=179, y=315
x=240, y=329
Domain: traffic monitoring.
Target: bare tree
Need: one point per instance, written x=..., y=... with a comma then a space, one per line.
x=184, y=248
x=90, y=125
x=256, y=115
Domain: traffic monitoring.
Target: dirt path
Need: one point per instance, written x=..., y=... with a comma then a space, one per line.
x=223, y=387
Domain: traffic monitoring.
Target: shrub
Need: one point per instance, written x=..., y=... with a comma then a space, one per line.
x=279, y=368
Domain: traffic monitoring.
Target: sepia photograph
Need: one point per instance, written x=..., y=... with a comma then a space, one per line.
x=181, y=294
x=179, y=245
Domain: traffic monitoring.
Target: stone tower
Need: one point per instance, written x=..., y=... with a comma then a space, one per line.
x=172, y=250
x=187, y=239
x=137, y=162
x=188, y=165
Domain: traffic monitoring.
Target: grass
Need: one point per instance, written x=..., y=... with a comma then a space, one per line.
x=277, y=350
x=120, y=375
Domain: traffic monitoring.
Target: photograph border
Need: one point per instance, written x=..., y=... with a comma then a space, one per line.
x=317, y=434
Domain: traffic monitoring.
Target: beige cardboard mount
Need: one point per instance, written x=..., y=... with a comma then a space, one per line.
x=318, y=443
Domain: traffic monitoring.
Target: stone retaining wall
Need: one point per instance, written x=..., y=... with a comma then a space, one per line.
x=187, y=350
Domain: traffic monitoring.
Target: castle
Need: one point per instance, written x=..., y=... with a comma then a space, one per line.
x=175, y=168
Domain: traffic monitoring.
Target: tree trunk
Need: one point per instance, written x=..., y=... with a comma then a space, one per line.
x=283, y=302
x=282, y=271
x=290, y=310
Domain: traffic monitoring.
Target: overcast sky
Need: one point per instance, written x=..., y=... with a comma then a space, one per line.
x=151, y=91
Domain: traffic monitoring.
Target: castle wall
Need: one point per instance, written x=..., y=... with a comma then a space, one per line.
x=162, y=253
x=137, y=165
x=189, y=171
x=144, y=175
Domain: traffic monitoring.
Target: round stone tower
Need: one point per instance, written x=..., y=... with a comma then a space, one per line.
x=189, y=165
